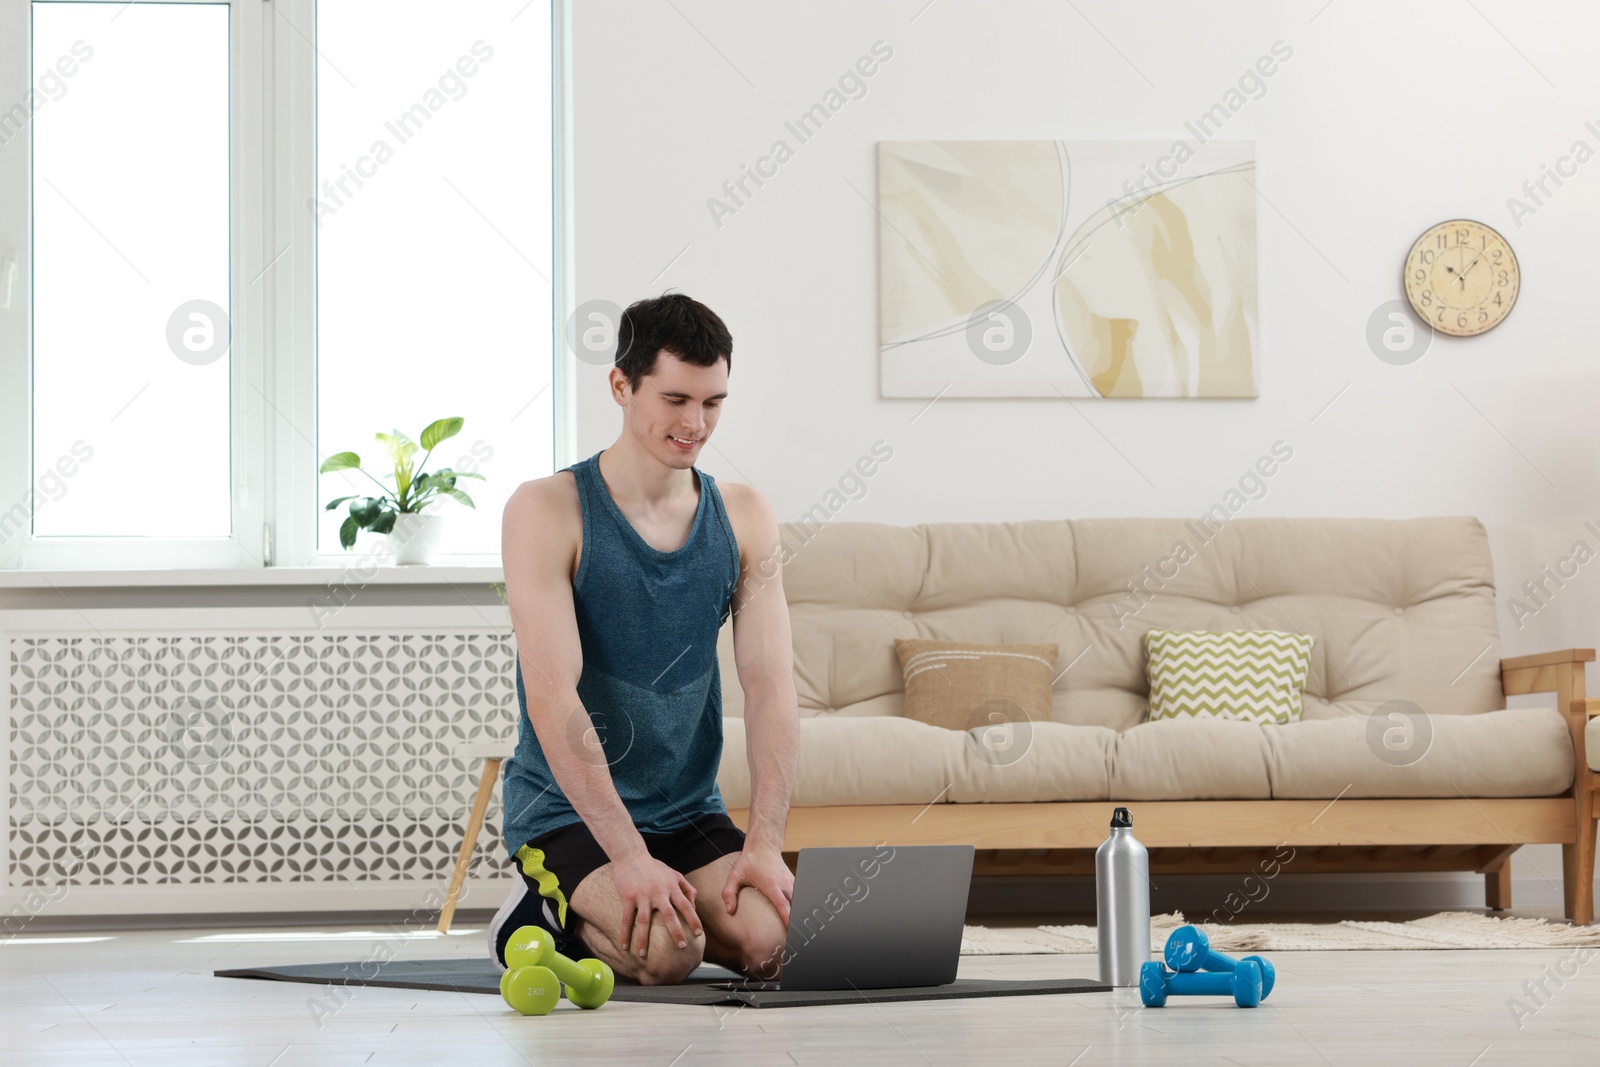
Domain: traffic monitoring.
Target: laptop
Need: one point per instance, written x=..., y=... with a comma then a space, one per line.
x=878, y=917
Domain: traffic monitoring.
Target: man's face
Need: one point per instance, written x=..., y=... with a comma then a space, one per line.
x=675, y=408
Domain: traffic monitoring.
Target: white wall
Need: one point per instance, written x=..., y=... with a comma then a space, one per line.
x=1387, y=119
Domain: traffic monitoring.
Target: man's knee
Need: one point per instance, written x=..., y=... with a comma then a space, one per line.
x=760, y=942
x=664, y=962
x=762, y=953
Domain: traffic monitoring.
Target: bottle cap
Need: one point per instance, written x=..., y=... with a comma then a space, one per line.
x=1121, y=818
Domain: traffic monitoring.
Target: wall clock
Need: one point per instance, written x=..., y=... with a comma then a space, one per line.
x=1462, y=278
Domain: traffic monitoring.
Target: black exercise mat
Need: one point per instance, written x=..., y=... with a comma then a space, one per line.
x=476, y=975
x=709, y=993
x=707, y=985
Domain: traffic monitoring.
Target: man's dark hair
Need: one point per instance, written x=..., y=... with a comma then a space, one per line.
x=675, y=323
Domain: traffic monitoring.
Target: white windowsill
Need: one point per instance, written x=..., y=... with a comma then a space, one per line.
x=356, y=572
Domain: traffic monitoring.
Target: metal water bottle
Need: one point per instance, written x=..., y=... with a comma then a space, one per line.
x=1122, y=903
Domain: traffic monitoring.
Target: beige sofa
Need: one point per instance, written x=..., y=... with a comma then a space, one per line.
x=1401, y=611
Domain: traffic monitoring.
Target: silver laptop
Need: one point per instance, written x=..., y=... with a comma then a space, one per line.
x=874, y=918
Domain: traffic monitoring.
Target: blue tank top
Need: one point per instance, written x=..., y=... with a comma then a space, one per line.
x=648, y=623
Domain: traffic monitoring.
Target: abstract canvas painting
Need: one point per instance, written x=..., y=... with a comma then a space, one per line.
x=1067, y=268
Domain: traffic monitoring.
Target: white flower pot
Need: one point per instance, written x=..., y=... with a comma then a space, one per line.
x=415, y=538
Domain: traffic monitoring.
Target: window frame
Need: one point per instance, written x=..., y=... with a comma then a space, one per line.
x=273, y=378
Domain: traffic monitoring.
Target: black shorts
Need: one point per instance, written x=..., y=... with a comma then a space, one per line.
x=552, y=865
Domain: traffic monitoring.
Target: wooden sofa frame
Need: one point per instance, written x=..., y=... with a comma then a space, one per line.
x=1222, y=836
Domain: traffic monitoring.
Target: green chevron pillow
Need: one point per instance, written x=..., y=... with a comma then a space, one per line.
x=1249, y=675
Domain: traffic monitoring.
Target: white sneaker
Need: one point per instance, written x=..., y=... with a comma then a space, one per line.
x=519, y=891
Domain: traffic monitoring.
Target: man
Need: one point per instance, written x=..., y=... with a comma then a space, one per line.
x=620, y=571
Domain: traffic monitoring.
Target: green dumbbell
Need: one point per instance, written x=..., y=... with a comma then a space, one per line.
x=531, y=990
x=589, y=982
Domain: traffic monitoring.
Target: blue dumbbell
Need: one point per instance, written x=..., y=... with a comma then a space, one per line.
x=1188, y=949
x=1243, y=984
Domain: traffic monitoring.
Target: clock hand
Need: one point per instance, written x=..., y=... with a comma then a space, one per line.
x=1462, y=277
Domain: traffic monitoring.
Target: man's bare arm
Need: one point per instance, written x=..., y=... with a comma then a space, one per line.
x=539, y=591
x=763, y=652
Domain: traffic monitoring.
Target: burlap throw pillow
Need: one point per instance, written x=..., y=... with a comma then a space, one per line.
x=960, y=685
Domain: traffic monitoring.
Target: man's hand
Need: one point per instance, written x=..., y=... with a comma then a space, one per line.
x=645, y=884
x=764, y=869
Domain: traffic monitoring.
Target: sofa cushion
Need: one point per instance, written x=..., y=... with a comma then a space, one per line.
x=1191, y=759
x=892, y=760
x=1591, y=743
x=961, y=684
x=1399, y=608
x=1521, y=752
x=1045, y=761
x=878, y=759
x=1246, y=675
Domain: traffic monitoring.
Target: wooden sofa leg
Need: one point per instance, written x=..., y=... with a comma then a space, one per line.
x=1577, y=875
x=1497, y=887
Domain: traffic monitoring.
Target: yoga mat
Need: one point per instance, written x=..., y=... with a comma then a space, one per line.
x=707, y=985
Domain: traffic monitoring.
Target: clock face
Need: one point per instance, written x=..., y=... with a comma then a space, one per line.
x=1461, y=278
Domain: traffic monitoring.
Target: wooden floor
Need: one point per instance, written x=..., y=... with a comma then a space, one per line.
x=148, y=997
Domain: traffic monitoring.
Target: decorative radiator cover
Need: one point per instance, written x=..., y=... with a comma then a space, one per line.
x=207, y=756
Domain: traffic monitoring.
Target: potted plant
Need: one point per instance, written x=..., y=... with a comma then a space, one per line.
x=399, y=512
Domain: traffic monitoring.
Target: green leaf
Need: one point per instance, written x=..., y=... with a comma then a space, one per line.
x=459, y=495
x=399, y=446
x=347, y=532
x=384, y=523
x=335, y=503
x=401, y=450
x=340, y=461
x=365, y=513
x=448, y=473
x=440, y=430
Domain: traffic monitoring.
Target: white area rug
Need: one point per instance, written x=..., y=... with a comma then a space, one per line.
x=1449, y=929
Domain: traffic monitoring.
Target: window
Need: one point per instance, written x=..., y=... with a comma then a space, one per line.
x=239, y=237
x=130, y=294
x=433, y=231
